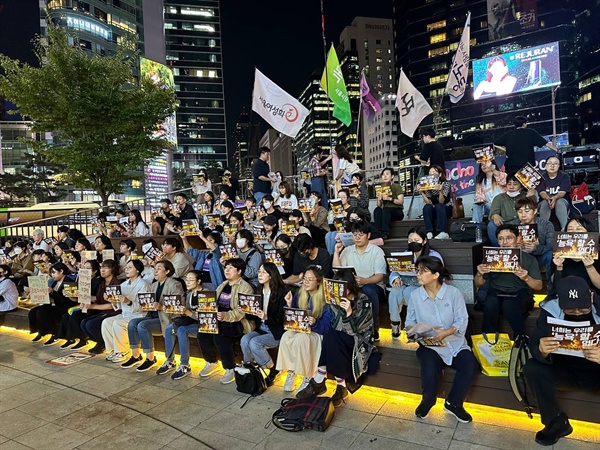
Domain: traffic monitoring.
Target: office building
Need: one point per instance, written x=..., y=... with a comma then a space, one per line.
x=380, y=137
x=193, y=44
x=240, y=140
x=281, y=152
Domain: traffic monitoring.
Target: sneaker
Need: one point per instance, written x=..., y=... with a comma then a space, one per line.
x=442, y=235
x=37, y=337
x=67, y=343
x=209, y=369
x=341, y=393
x=423, y=409
x=51, y=341
x=228, y=377
x=146, y=365
x=376, y=335
x=459, y=412
x=429, y=235
x=557, y=428
x=305, y=381
x=396, y=330
x=167, y=366
x=97, y=349
x=313, y=388
x=270, y=379
x=182, y=371
x=290, y=379
x=82, y=343
x=131, y=362
x=110, y=356
x=120, y=357
x=385, y=235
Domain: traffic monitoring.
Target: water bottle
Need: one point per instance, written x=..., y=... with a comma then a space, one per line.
x=478, y=235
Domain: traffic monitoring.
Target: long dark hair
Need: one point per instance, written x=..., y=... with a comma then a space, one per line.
x=347, y=275
x=342, y=152
x=422, y=232
x=85, y=242
x=434, y=265
x=276, y=284
x=138, y=216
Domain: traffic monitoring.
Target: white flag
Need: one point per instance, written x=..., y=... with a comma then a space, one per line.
x=282, y=111
x=412, y=106
x=459, y=72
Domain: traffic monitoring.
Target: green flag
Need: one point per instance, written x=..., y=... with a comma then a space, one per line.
x=333, y=83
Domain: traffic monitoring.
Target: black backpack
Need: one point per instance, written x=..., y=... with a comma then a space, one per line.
x=296, y=414
x=519, y=355
x=249, y=380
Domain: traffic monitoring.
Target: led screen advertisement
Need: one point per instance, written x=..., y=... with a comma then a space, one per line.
x=511, y=17
x=523, y=70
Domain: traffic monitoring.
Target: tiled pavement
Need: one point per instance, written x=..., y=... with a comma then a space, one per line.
x=96, y=405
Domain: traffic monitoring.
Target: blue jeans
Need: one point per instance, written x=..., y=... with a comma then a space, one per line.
x=317, y=184
x=259, y=196
x=254, y=347
x=182, y=334
x=142, y=330
x=545, y=260
x=397, y=297
x=479, y=211
x=330, y=241
x=92, y=326
x=439, y=211
x=491, y=231
x=376, y=295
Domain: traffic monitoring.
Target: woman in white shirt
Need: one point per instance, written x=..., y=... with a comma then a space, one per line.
x=9, y=296
x=286, y=200
x=137, y=226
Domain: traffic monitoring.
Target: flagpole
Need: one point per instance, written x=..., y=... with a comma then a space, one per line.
x=326, y=74
x=360, y=103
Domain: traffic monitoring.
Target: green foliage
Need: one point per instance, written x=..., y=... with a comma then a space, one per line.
x=42, y=178
x=103, y=118
x=461, y=153
x=181, y=180
x=14, y=188
x=211, y=168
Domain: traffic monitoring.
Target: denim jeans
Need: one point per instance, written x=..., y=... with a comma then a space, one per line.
x=376, y=295
x=259, y=196
x=561, y=209
x=318, y=185
x=491, y=231
x=142, y=330
x=254, y=347
x=480, y=210
x=182, y=334
x=330, y=241
x=397, y=297
x=439, y=211
x=92, y=326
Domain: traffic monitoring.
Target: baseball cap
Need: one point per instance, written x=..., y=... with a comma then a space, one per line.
x=270, y=220
x=296, y=213
x=574, y=292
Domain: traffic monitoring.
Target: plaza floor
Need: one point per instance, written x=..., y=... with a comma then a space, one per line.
x=96, y=405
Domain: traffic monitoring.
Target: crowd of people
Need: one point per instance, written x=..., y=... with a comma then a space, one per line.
x=286, y=247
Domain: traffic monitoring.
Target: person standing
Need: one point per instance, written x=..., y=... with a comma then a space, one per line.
x=318, y=175
x=554, y=191
x=260, y=171
x=433, y=152
x=519, y=144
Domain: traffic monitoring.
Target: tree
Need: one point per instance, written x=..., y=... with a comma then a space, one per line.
x=14, y=187
x=181, y=180
x=42, y=178
x=103, y=118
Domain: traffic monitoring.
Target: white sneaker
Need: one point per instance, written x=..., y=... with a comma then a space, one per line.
x=111, y=355
x=290, y=379
x=228, y=377
x=209, y=369
x=429, y=235
x=305, y=381
x=120, y=357
x=442, y=235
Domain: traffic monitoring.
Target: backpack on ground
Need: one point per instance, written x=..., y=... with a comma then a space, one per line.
x=249, y=380
x=519, y=355
x=296, y=414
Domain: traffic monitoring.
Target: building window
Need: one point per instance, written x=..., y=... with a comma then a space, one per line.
x=440, y=37
x=439, y=51
x=439, y=66
x=436, y=25
x=192, y=11
x=438, y=79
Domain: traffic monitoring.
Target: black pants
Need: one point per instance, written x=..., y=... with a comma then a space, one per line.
x=336, y=354
x=210, y=343
x=431, y=367
x=385, y=216
x=544, y=378
x=70, y=325
x=515, y=309
x=44, y=319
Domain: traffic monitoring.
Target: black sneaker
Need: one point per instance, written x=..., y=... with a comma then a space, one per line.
x=96, y=349
x=51, y=341
x=37, y=337
x=146, y=365
x=270, y=379
x=423, y=409
x=458, y=412
x=341, y=393
x=557, y=428
x=82, y=343
x=131, y=362
x=376, y=335
x=313, y=388
x=67, y=343
x=395, y=330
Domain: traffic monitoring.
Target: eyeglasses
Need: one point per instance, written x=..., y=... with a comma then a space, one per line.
x=422, y=270
x=308, y=280
x=263, y=272
x=552, y=164
x=358, y=235
x=524, y=210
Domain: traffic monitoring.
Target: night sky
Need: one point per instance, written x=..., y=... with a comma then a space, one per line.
x=283, y=40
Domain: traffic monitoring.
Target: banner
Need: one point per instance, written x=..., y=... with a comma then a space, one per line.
x=509, y=18
x=412, y=106
x=369, y=102
x=282, y=111
x=333, y=83
x=459, y=72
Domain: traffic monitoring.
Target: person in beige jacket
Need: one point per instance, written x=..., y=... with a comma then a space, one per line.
x=232, y=321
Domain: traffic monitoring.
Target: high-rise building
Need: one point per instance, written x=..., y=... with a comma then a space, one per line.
x=240, y=139
x=380, y=137
x=427, y=36
x=193, y=43
x=281, y=151
x=589, y=83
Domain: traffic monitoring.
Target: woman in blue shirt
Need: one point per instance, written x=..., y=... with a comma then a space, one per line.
x=441, y=308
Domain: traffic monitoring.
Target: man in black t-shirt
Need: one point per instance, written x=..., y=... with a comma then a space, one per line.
x=260, y=170
x=308, y=255
x=519, y=144
x=433, y=152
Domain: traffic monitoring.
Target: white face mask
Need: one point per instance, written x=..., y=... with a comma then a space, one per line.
x=267, y=205
x=18, y=250
x=513, y=194
x=240, y=243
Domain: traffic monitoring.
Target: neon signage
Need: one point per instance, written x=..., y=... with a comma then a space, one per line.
x=87, y=25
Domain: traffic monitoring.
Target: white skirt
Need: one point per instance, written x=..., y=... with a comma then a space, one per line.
x=299, y=352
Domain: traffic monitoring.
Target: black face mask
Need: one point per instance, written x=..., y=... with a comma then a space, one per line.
x=282, y=251
x=581, y=318
x=415, y=247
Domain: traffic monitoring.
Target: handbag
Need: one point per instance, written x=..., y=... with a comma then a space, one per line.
x=581, y=200
x=493, y=356
x=183, y=321
x=296, y=414
x=465, y=231
x=249, y=380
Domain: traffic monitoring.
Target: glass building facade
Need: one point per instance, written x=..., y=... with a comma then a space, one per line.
x=193, y=44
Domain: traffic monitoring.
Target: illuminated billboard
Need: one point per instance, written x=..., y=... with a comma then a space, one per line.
x=511, y=17
x=520, y=71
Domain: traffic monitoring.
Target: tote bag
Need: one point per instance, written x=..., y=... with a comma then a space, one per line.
x=493, y=353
